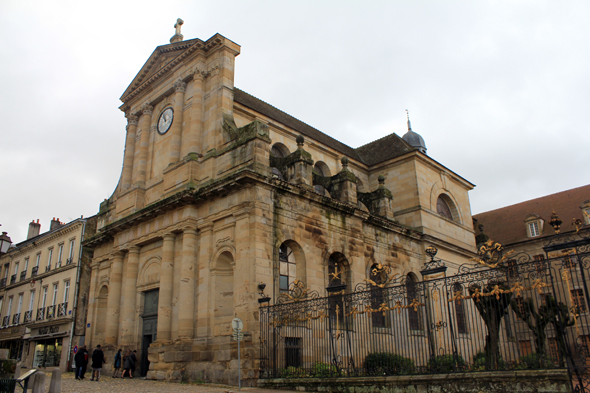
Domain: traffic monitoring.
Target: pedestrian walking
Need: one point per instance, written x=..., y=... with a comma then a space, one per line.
x=117, y=364
x=127, y=364
x=134, y=362
x=81, y=359
x=97, y=361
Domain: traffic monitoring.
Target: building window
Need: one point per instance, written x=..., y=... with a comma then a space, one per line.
x=379, y=277
x=540, y=264
x=47, y=353
x=49, y=260
x=525, y=347
x=32, y=300
x=292, y=352
x=55, y=289
x=443, y=208
x=460, y=313
x=38, y=260
x=578, y=300
x=512, y=269
x=71, y=255
x=66, y=291
x=554, y=351
x=569, y=262
x=44, y=301
x=26, y=265
x=533, y=229
x=59, y=255
x=414, y=316
x=519, y=302
x=287, y=268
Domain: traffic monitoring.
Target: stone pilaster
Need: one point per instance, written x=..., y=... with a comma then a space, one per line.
x=186, y=304
x=165, y=300
x=196, y=125
x=129, y=296
x=146, y=121
x=176, y=129
x=204, y=307
x=129, y=152
x=114, y=300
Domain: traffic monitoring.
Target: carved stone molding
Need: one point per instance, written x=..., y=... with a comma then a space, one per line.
x=179, y=85
x=131, y=120
x=147, y=109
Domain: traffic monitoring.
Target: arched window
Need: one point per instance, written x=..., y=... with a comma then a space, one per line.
x=322, y=169
x=378, y=295
x=279, y=150
x=414, y=316
x=287, y=268
x=443, y=208
x=338, y=278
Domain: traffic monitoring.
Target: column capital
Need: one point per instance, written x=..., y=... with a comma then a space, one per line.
x=134, y=249
x=131, y=120
x=147, y=109
x=179, y=86
x=118, y=254
x=169, y=236
x=189, y=230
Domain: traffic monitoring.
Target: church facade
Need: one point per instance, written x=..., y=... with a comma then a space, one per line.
x=221, y=192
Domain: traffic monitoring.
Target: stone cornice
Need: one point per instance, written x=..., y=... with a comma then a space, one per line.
x=44, y=238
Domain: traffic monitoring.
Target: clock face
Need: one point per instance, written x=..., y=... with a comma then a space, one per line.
x=165, y=121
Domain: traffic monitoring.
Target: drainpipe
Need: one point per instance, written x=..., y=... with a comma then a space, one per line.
x=77, y=292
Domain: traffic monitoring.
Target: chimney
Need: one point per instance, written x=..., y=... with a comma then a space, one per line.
x=55, y=224
x=34, y=229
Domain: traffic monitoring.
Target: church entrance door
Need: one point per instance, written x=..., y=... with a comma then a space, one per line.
x=150, y=328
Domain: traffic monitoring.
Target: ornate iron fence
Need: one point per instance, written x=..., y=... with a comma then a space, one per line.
x=508, y=313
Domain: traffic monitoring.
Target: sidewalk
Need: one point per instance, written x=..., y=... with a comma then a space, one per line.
x=117, y=385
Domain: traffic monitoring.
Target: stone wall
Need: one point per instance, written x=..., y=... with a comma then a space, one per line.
x=522, y=381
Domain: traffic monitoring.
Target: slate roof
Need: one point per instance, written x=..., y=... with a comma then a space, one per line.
x=378, y=151
x=506, y=225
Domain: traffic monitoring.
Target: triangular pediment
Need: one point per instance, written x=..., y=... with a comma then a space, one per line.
x=159, y=58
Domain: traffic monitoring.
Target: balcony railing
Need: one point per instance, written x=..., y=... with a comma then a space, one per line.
x=47, y=268
x=51, y=312
x=28, y=316
x=3, y=282
x=34, y=271
x=16, y=319
x=23, y=275
x=13, y=279
x=69, y=261
x=41, y=314
x=5, y=321
x=62, y=309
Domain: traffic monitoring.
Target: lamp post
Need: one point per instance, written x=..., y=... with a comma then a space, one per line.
x=4, y=243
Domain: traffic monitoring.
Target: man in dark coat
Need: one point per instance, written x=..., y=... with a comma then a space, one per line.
x=81, y=359
x=97, y=361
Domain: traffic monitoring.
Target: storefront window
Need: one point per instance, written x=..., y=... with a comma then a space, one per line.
x=47, y=353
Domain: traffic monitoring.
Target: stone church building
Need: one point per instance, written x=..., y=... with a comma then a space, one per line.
x=220, y=192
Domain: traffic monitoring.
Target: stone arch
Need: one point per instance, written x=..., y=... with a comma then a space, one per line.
x=322, y=169
x=338, y=271
x=292, y=264
x=101, y=312
x=149, y=273
x=222, y=277
x=279, y=150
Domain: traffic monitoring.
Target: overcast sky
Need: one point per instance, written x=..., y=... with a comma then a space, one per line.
x=499, y=90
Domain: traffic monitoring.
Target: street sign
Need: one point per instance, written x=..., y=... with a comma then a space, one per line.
x=237, y=324
x=238, y=336
x=75, y=349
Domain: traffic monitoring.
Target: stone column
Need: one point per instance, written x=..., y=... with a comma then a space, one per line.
x=196, y=126
x=146, y=121
x=114, y=300
x=129, y=296
x=129, y=152
x=176, y=129
x=186, y=304
x=165, y=297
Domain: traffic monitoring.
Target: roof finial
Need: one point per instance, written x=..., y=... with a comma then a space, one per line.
x=409, y=124
x=177, y=37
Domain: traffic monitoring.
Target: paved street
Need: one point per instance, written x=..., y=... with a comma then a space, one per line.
x=136, y=385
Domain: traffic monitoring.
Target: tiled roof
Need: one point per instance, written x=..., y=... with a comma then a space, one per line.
x=506, y=225
x=372, y=153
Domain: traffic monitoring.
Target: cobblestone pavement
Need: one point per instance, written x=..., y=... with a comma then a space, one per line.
x=136, y=385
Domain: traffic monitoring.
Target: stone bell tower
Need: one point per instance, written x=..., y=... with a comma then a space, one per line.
x=174, y=108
